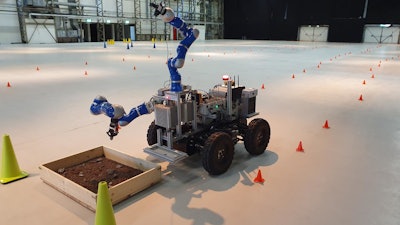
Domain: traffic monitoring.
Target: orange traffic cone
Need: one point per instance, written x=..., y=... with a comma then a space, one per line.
x=293, y=76
x=360, y=98
x=37, y=68
x=326, y=125
x=259, y=178
x=262, y=86
x=86, y=73
x=86, y=63
x=318, y=66
x=372, y=76
x=134, y=67
x=300, y=147
x=304, y=70
x=8, y=84
x=370, y=69
x=123, y=59
x=364, y=82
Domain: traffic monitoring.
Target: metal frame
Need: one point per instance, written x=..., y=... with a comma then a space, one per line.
x=78, y=13
x=120, y=21
x=100, y=20
x=138, y=25
x=21, y=21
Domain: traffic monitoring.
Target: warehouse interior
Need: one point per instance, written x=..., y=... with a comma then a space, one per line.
x=325, y=74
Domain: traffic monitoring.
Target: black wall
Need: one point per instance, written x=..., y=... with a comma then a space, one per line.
x=280, y=19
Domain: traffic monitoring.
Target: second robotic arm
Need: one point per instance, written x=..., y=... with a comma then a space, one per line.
x=117, y=113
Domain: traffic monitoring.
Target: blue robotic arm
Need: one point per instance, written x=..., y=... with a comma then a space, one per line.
x=117, y=113
x=190, y=34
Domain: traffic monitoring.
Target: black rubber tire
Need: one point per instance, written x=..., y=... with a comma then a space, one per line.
x=152, y=133
x=257, y=136
x=218, y=153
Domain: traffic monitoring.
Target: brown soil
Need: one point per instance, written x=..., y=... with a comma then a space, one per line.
x=88, y=174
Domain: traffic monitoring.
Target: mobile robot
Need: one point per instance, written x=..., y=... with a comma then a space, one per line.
x=189, y=121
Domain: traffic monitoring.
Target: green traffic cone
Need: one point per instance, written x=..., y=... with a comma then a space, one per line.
x=10, y=170
x=104, y=209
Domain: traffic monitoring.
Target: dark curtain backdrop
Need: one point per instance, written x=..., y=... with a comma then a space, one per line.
x=280, y=19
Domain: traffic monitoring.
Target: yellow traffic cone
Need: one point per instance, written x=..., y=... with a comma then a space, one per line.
x=104, y=209
x=9, y=166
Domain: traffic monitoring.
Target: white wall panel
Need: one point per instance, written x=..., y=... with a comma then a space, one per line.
x=9, y=28
x=202, y=29
x=313, y=33
x=378, y=34
x=41, y=34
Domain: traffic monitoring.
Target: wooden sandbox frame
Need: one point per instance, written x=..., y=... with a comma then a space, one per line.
x=151, y=175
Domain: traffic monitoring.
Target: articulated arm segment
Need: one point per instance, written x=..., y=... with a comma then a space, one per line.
x=190, y=34
x=117, y=113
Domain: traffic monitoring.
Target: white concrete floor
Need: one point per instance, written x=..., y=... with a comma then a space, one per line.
x=348, y=174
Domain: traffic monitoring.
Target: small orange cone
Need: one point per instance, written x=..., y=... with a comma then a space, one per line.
x=123, y=59
x=304, y=70
x=259, y=178
x=318, y=66
x=379, y=65
x=300, y=147
x=370, y=69
x=363, y=82
x=326, y=125
x=37, y=68
x=86, y=63
x=8, y=84
x=192, y=60
x=293, y=76
x=134, y=67
x=86, y=73
x=372, y=76
x=360, y=98
x=262, y=86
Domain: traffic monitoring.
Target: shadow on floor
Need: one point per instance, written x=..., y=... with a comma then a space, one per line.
x=187, y=180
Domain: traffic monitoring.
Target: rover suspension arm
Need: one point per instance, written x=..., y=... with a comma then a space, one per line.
x=117, y=113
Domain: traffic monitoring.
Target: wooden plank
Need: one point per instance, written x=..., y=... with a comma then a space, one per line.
x=75, y=159
x=128, y=160
x=132, y=186
x=69, y=188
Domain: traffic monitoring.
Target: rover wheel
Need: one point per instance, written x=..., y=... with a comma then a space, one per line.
x=152, y=133
x=257, y=136
x=218, y=153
